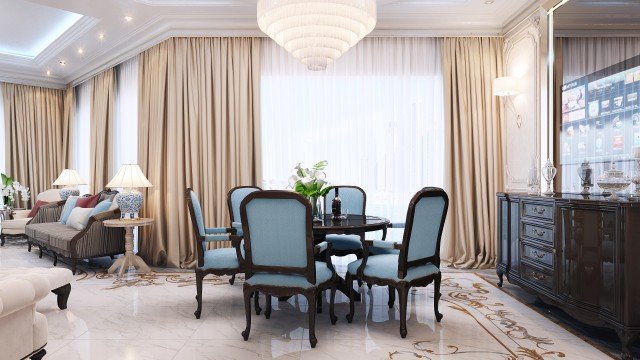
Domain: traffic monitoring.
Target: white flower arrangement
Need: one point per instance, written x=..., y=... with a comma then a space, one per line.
x=10, y=188
x=310, y=182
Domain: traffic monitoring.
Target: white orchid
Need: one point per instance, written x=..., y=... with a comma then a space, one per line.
x=9, y=188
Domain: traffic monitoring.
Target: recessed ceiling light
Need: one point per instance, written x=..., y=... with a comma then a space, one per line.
x=80, y=51
x=63, y=63
x=128, y=18
x=489, y=2
x=48, y=72
x=101, y=36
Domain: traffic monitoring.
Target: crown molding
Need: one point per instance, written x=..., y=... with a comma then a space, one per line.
x=24, y=78
x=67, y=38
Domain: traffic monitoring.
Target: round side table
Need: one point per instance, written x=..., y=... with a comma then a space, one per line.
x=129, y=257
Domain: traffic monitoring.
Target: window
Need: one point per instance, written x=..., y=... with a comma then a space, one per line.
x=2, y=154
x=376, y=115
x=126, y=134
x=82, y=134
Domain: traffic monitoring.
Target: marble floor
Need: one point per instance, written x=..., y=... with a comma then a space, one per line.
x=150, y=316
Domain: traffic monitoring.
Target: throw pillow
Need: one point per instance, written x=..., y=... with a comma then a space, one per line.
x=68, y=206
x=37, y=206
x=114, y=205
x=88, y=202
x=101, y=207
x=104, y=197
x=79, y=218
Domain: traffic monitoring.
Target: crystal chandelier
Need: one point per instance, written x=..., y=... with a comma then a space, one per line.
x=316, y=32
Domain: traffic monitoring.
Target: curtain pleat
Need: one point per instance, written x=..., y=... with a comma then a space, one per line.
x=35, y=128
x=198, y=127
x=68, y=124
x=473, y=154
x=103, y=98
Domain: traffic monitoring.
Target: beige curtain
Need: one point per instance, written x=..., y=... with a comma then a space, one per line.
x=35, y=127
x=103, y=99
x=69, y=114
x=199, y=127
x=473, y=157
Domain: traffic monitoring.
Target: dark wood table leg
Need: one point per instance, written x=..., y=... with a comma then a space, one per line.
x=343, y=287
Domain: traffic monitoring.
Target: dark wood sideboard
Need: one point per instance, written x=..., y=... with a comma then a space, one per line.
x=581, y=254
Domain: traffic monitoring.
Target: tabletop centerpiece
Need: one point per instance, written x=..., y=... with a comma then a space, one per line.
x=9, y=189
x=311, y=183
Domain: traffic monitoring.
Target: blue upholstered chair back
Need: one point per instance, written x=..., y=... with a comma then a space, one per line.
x=197, y=215
x=277, y=229
x=425, y=220
x=235, y=197
x=353, y=199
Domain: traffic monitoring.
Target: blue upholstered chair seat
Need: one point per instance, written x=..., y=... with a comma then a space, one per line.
x=386, y=267
x=373, y=250
x=220, y=259
x=323, y=274
x=344, y=242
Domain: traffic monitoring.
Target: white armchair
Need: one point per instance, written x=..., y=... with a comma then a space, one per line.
x=15, y=227
x=23, y=331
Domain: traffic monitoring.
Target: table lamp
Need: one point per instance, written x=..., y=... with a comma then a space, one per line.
x=129, y=177
x=69, y=178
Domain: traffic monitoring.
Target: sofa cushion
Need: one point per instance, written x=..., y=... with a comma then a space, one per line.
x=46, y=232
x=102, y=206
x=88, y=202
x=79, y=218
x=36, y=231
x=68, y=207
x=15, y=224
x=36, y=207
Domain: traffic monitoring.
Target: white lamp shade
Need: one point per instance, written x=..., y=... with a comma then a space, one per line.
x=69, y=177
x=129, y=176
x=506, y=86
x=317, y=32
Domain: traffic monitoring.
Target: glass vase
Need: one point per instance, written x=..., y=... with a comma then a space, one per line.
x=317, y=207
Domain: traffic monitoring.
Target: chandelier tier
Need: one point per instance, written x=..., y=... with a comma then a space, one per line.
x=317, y=32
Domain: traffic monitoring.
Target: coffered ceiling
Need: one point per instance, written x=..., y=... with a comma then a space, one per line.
x=56, y=42
x=598, y=18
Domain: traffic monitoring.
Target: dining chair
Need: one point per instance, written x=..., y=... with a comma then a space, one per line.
x=223, y=261
x=234, y=199
x=280, y=255
x=354, y=200
x=418, y=260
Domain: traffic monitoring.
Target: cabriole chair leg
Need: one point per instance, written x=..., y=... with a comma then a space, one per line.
x=256, y=304
x=436, y=296
x=267, y=310
x=63, y=293
x=332, y=300
x=392, y=296
x=199, y=278
x=349, y=281
x=311, y=300
x=247, y=311
x=403, y=292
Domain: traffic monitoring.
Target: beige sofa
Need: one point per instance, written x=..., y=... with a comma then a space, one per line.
x=62, y=241
x=15, y=227
x=23, y=331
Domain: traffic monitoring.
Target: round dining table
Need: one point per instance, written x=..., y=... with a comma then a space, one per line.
x=348, y=225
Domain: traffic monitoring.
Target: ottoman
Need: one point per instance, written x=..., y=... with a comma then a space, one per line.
x=58, y=280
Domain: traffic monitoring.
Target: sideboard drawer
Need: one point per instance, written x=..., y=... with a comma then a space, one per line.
x=537, y=210
x=542, y=256
x=537, y=277
x=538, y=233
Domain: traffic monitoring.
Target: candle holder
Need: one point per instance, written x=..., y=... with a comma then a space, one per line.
x=636, y=180
x=612, y=181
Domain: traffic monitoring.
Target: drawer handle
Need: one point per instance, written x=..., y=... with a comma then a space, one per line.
x=537, y=276
x=539, y=211
x=538, y=232
x=539, y=255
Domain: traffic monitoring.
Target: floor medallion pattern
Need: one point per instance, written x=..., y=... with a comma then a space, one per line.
x=150, y=316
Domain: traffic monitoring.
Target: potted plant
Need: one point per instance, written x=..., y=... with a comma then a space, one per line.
x=311, y=182
x=9, y=189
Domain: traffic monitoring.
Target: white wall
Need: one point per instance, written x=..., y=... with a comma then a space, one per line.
x=2, y=140
x=523, y=58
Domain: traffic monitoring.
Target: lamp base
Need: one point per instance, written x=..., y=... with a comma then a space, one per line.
x=130, y=202
x=66, y=192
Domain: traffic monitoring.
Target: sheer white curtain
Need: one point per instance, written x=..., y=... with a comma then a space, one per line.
x=583, y=56
x=82, y=134
x=2, y=140
x=126, y=146
x=376, y=116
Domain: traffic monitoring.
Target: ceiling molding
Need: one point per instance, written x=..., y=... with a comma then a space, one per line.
x=72, y=34
x=26, y=78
